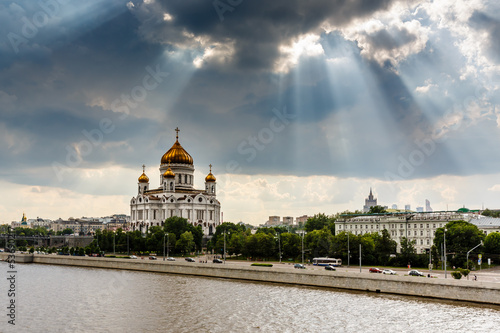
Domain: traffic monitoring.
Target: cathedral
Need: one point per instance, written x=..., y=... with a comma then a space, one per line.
x=176, y=195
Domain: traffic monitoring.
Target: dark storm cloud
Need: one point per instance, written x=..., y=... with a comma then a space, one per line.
x=355, y=120
x=490, y=24
x=257, y=28
x=391, y=39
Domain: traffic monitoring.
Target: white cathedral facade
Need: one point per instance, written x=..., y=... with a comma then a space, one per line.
x=176, y=195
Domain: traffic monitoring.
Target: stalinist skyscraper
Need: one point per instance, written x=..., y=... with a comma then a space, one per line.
x=369, y=202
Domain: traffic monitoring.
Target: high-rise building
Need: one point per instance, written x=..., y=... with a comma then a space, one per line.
x=273, y=220
x=394, y=206
x=428, y=207
x=369, y=202
x=408, y=207
x=420, y=209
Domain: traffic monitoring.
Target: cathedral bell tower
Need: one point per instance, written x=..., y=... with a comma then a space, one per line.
x=210, y=183
x=143, y=182
x=169, y=180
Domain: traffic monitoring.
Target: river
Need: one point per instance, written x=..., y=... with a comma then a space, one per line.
x=70, y=299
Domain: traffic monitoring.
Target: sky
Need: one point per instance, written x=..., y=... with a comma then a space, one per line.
x=300, y=106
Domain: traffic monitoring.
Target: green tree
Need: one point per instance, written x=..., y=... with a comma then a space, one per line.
x=492, y=243
x=179, y=225
x=461, y=236
x=67, y=231
x=377, y=210
x=186, y=243
x=291, y=245
x=384, y=246
x=260, y=245
x=320, y=221
x=408, y=251
x=319, y=242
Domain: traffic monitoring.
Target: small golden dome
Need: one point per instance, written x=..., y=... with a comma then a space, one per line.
x=169, y=173
x=210, y=177
x=177, y=154
x=143, y=178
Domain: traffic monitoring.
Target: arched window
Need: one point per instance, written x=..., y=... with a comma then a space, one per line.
x=213, y=189
x=171, y=186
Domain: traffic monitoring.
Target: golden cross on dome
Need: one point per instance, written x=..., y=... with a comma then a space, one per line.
x=210, y=168
x=143, y=168
x=177, y=135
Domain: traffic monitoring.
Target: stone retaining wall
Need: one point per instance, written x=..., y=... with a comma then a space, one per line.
x=462, y=290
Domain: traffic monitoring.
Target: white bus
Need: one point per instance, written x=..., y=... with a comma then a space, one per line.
x=327, y=261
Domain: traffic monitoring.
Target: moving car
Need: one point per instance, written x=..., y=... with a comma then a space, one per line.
x=152, y=258
x=133, y=257
x=375, y=270
x=217, y=261
x=170, y=259
x=190, y=259
x=299, y=266
x=388, y=271
x=330, y=268
x=414, y=272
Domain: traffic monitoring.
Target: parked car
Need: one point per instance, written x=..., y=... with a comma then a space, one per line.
x=299, y=266
x=330, y=268
x=190, y=259
x=170, y=259
x=388, y=271
x=152, y=258
x=414, y=272
x=133, y=257
x=217, y=261
x=375, y=270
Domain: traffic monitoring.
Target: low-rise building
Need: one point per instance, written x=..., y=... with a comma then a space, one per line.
x=486, y=224
x=419, y=227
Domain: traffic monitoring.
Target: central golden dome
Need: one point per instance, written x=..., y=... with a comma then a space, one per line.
x=177, y=154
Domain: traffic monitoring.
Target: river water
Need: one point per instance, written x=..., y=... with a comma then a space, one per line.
x=70, y=299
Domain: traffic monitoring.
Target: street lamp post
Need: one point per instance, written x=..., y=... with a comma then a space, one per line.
x=279, y=245
x=164, y=246
x=302, y=247
x=445, y=271
x=360, y=258
x=168, y=243
x=224, y=246
x=348, y=251
x=470, y=252
x=114, y=250
x=128, y=246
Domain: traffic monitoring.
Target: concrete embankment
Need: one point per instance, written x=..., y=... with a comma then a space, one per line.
x=462, y=290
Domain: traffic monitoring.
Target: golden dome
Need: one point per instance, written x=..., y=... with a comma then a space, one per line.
x=177, y=154
x=210, y=177
x=169, y=173
x=143, y=178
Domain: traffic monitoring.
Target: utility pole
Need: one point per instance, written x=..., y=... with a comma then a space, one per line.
x=445, y=272
x=224, y=246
